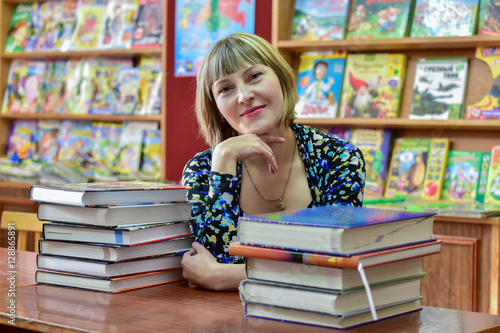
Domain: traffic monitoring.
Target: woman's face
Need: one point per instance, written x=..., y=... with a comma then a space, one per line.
x=251, y=99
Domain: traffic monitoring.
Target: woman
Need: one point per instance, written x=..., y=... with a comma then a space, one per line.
x=260, y=161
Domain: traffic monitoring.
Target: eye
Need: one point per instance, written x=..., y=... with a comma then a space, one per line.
x=255, y=75
x=224, y=89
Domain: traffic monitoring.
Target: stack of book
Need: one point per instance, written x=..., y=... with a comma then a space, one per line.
x=335, y=266
x=112, y=236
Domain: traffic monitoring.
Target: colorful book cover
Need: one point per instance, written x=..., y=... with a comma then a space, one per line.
x=67, y=24
x=86, y=87
x=126, y=91
x=51, y=13
x=47, y=147
x=438, y=18
x=407, y=168
x=30, y=87
x=155, y=96
x=436, y=168
x=462, y=175
x=381, y=19
x=22, y=140
x=149, y=24
x=14, y=91
x=483, y=177
x=106, y=75
x=343, y=133
x=70, y=86
x=119, y=24
x=493, y=185
x=34, y=28
x=319, y=82
x=319, y=20
x=52, y=85
x=149, y=86
x=18, y=30
x=372, y=85
x=488, y=107
x=375, y=145
x=105, y=145
x=439, y=88
x=74, y=140
x=89, y=27
x=488, y=18
x=151, y=154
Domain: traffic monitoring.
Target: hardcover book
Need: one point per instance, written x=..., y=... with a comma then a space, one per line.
x=319, y=20
x=488, y=18
x=319, y=82
x=372, y=85
x=470, y=209
x=125, y=235
x=375, y=144
x=324, y=300
x=111, y=285
x=439, y=88
x=379, y=19
x=492, y=195
x=462, y=175
x=336, y=229
x=451, y=18
x=112, y=252
x=488, y=107
x=108, y=193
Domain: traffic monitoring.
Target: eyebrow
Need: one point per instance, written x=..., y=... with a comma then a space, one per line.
x=219, y=82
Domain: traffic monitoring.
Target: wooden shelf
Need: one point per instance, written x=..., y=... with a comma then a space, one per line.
x=84, y=53
x=101, y=117
x=401, y=123
x=13, y=185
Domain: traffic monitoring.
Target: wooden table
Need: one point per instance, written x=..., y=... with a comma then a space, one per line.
x=177, y=308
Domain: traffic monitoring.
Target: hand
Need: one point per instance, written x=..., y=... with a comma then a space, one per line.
x=239, y=148
x=201, y=268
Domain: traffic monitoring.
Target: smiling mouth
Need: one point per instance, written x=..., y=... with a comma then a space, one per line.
x=253, y=111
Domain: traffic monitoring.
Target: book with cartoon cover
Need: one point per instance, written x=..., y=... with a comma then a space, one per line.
x=492, y=195
x=319, y=20
x=52, y=85
x=104, y=148
x=126, y=91
x=47, y=148
x=439, y=88
x=51, y=13
x=13, y=98
x=372, y=85
x=34, y=28
x=488, y=18
x=151, y=154
x=119, y=24
x=74, y=140
x=32, y=86
x=67, y=24
x=22, y=140
x=318, y=84
x=89, y=26
x=18, y=31
x=380, y=19
x=149, y=24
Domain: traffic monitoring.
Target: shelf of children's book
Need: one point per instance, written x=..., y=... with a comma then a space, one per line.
x=456, y=219
x=397, y=44
x=135, y=52
x=100, y=117
x=404, y=123
x=15, y=185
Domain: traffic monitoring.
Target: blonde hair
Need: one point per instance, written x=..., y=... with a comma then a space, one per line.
x=229, y=55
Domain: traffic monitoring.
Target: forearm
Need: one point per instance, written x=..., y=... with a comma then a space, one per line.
x=228, y=276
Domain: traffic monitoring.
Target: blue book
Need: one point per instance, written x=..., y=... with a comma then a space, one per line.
x=337, y=229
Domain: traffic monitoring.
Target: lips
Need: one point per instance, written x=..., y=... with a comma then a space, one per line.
x=253, y=111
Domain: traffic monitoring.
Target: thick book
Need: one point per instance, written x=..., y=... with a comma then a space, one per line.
x=379, y=19
x=126, y=235
x=344, y=279
x=105, y=268
x=373, y=258
x=439, y=88
x=451, y=18
x=319, y=20
x=327, y=320
x=318, y=84
x=113, y=252
x=337, y=229
x=326, y=301
x=113, y=216
x=111, y=285
x=108, y=193
x=373, y=85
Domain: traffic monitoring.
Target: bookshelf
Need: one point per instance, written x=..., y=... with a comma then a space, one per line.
x=467, y=270
x=7, y=8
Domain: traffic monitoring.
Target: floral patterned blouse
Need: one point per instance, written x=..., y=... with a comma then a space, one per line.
x=335, y=173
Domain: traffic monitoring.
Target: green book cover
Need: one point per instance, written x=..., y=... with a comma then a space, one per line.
x=18, y=31
x=462, y=175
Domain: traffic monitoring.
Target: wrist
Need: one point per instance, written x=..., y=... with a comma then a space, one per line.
x=224, y=160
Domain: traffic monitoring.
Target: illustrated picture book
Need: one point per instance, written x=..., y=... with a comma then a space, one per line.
x=319, y=20
x=439, y=88
x=89, y=26
x=488, y=106
x=375, y=143
x=450, y=18
x=379, y=19
x=436, y=169
x=22, y=141
x=336, y=229
x=149, y=24
x=463, y=173
x=488, y=18
x=470, y=209
x=372, y=85
x=18, y=31
x=407, y=169
x=318, y=85
x=108, y=193
x=493, y=184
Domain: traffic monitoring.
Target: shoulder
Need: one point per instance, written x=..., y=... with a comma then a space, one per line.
x=201, y=163
x=317, y=141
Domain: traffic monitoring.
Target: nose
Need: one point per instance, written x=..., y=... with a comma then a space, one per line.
x=245, y=94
